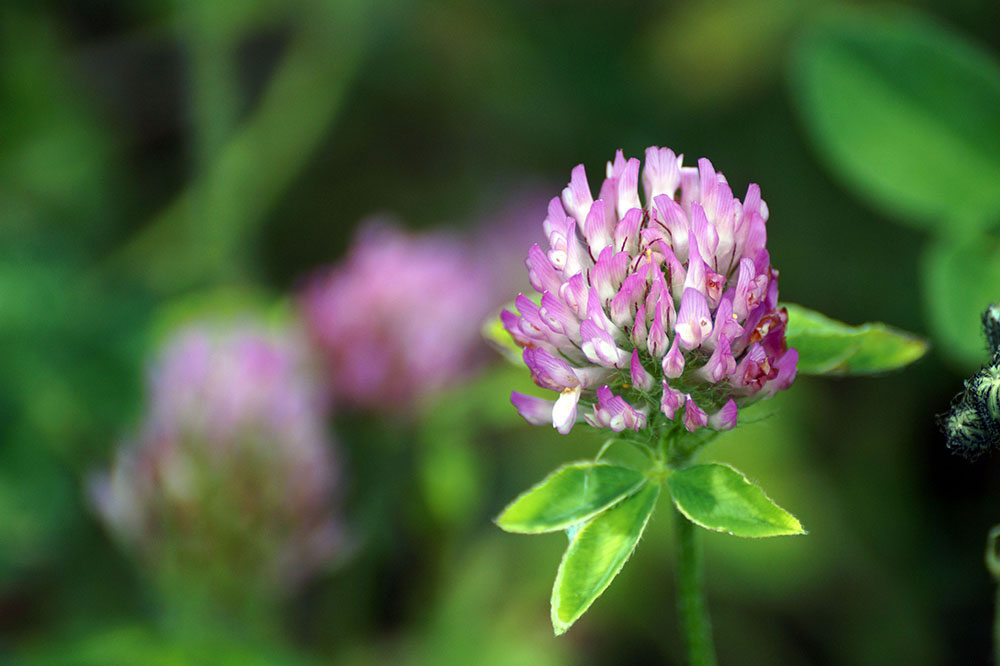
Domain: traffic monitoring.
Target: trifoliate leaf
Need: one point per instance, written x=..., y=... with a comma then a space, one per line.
x=573, y=493
x=717, y=497
x=597, y=553
x=829, y=347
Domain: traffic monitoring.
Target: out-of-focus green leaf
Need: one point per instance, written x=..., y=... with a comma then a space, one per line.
x=747, y=39
x=220, y=304
x=450, y=476
x=130, y=645
x=961, y=278
x=113, y=647
x=596, y=554
x=200, y=237
x=497, y=336
x=484, y=615
x=453, y=427
x=68, y=350
x=573, y=493
x=906, y=112
x=37, y=501
x=829, y=347
x=68, y=376
x=718, y=497
x=55, y=161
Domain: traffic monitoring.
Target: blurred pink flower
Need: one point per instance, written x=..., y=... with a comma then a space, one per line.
x=399, y=317
x=232, y=464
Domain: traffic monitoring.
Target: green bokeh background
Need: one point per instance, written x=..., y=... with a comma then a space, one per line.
x=153, y=151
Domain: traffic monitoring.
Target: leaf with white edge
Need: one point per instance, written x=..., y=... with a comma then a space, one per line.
x=719, y=498
x=829, y=347
x=573, y=493
x=906, y=112
x=597, y=553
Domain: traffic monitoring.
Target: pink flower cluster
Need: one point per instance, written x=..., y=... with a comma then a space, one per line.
x=660, y=307
x=232, y=462
x=399, y=318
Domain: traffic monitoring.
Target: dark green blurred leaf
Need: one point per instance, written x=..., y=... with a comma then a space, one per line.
x=219, y=304
x=573, y=493
x=37, y=501
x=718, y=497
x=55, y=161
x=907, y=113
x=451, y=477
x=719, y=52
x=485, y=615
x=201, y=236
x=830, y=347
x=134, y=645
x=69, y=350
x=121, y=646
x=68, y=376
x=596, y=554
x=454, y=426
x=960, y=279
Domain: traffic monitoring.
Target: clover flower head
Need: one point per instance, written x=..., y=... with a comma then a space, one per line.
x=399, y=317
x=659, y=305
x=231, y=467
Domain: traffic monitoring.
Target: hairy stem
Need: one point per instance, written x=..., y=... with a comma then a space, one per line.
x=695, y=624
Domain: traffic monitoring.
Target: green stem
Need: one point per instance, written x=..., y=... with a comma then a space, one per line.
x=695, y=624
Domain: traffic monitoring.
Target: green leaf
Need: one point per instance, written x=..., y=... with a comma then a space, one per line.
x=497, y=336
x=961, y=279
x=906, y=113
x=597, y=553
x=253, y=170
x=573, y=493
x=740, y=62
x=126, y=645
x=829, y=347
x=718, y=497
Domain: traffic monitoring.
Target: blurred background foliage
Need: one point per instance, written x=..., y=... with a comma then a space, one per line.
x=153, y=152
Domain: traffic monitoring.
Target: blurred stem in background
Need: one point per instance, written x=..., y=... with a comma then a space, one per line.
x=692, y=609
x=211, y=39
x=202, y=236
